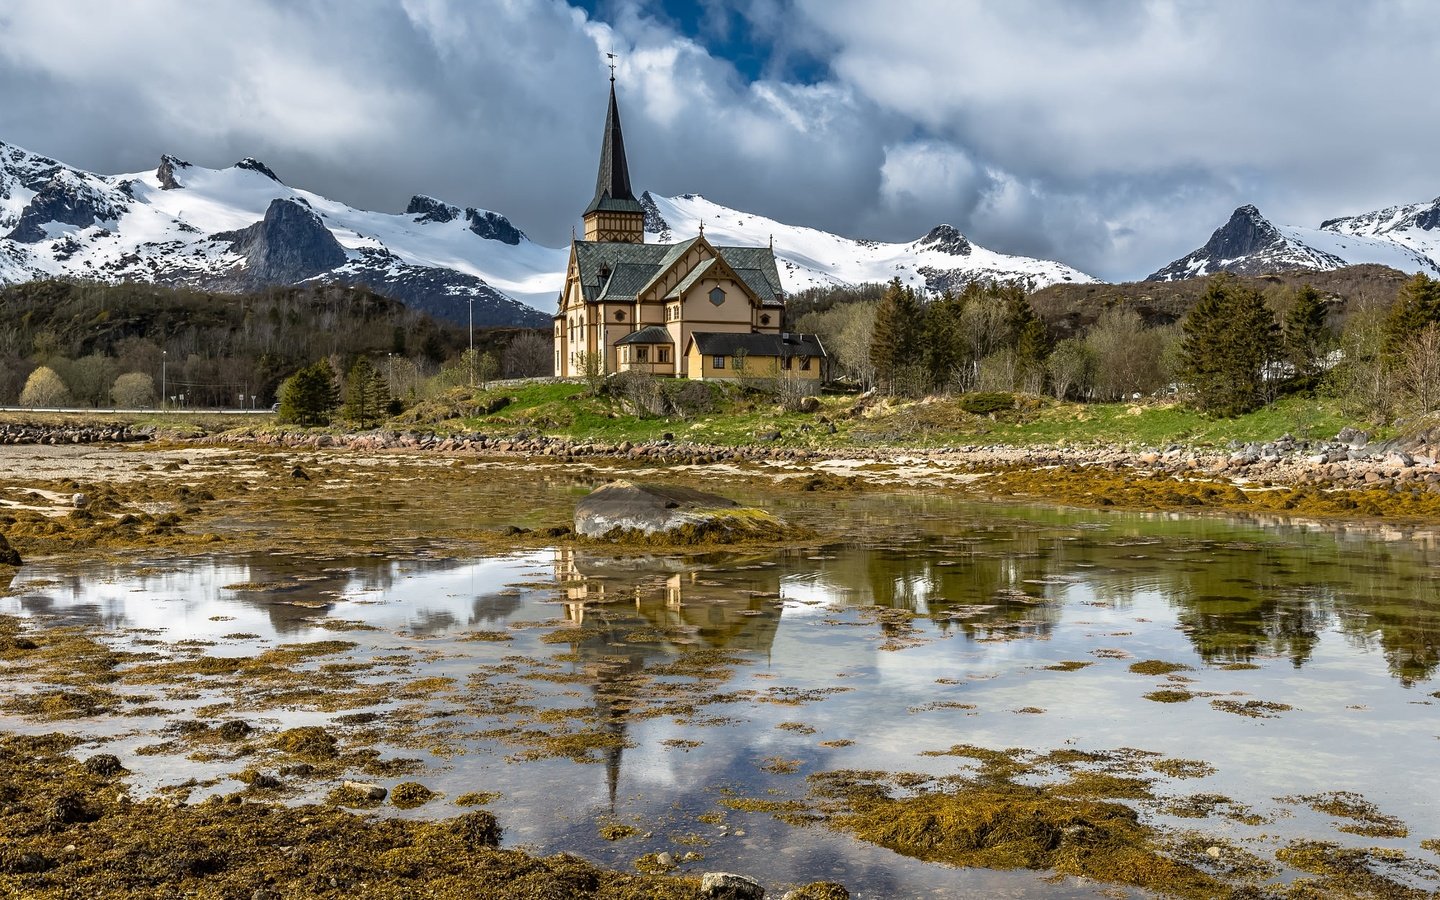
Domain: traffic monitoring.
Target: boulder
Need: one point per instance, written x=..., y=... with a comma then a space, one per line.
x=669, y=512
x=725, y=886
x=9, y=556
x=367, y=791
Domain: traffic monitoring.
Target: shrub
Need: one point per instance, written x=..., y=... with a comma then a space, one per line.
x=983, y=403
x=44, y=388
x=133, y=390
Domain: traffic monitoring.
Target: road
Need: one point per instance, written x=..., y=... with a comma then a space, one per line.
x=107, y=411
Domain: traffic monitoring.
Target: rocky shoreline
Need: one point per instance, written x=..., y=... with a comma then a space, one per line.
x=12, y=433
x=1350, y=460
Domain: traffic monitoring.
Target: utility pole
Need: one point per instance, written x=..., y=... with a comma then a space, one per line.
x=472, y=341
x=164, y=358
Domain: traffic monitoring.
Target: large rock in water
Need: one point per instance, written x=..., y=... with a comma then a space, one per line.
x=9, y=556
x=666, y=513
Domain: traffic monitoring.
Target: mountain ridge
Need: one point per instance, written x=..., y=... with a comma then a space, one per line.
x=1404, y=237
x=221, y=229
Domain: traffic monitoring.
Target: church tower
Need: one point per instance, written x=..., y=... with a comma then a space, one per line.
x=614, y=214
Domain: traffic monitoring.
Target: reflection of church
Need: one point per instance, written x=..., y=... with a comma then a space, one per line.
x=692, y=309
x=610, y=600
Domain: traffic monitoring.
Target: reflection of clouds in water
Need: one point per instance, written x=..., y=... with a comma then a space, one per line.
x=282, y=597
x=1332, y=623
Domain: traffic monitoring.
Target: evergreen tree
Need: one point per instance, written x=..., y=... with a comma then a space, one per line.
x=1307, y=340
x=308, y=396
x=1417, y=305
x=1028, y=335
x=367, y=397
x=1231, y=337
x=895, y=349
x=944, y=339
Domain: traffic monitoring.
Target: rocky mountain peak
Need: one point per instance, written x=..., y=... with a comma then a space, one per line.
x=654, y=222
x=1247, y=232
x=290, y=244
x=255, y=165
x=165, y=174
x=1429, y=219
x=493, y=226
x=65, y=198
x=428, y=209
x=946, y=239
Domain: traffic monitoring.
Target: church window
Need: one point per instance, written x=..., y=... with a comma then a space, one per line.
x=717, y=296
x=765, y=319
x=785, y=363
x=718, y=363
x=663, y=354
x=642, y=354
x=619, y=315
x=804, y=363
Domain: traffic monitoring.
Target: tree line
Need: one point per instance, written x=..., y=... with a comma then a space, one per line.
x=76, y=343
x=1236, y=348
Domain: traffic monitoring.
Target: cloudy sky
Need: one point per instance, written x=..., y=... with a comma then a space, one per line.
x=1114, y=135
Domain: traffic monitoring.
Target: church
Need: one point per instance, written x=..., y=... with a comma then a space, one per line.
x=689, y=310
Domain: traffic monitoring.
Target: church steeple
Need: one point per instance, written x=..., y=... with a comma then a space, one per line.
x=614, y=214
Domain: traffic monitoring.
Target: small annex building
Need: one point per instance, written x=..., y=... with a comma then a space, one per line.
x=629, y=306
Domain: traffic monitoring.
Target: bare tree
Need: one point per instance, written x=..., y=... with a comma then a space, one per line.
x=1071, y=367
x=1127, y=355
x=527, y=355
x=1418, y=371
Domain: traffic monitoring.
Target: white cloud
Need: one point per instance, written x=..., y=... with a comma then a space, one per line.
x=929, y=174
x=1114, y=135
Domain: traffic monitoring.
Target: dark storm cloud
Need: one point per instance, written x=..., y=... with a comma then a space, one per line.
x=1113, y=135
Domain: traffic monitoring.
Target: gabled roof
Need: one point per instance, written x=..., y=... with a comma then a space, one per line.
x=632, y=268
x=695, y=275
x=612, y=182
x=722, y=343
x=650, y=334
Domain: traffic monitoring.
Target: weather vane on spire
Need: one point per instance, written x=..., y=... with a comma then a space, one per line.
x=611, y=64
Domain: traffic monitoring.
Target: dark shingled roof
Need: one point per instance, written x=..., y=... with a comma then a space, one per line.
x=650, y=334
x=720, y=343
x=612, y=183
x=632, y=267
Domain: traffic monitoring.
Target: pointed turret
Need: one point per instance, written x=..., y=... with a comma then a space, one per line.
x=614, y=214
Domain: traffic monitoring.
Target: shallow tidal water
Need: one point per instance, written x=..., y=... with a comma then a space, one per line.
x=936, y=629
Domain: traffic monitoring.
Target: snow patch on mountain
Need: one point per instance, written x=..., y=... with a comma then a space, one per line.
x=1405, y=238
x=807, y=257
x=242, y=227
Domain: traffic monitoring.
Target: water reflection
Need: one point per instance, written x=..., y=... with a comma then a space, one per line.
x=941, y=625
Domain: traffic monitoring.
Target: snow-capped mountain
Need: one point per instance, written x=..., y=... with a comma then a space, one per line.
x=241, y=227
x=1402, y=237
x=808, y=257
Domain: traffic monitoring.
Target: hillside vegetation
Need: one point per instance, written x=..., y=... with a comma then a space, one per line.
x=212, y=348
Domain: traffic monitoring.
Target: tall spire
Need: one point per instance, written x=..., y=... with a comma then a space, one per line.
x=612, y=184
x=614, y=215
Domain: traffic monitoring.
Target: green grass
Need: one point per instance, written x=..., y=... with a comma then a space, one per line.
x=1158, y=425
x=571, y=411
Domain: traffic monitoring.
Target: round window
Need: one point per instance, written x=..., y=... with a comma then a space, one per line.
x=764, y=320
x=717, y=296
x=619, y=315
